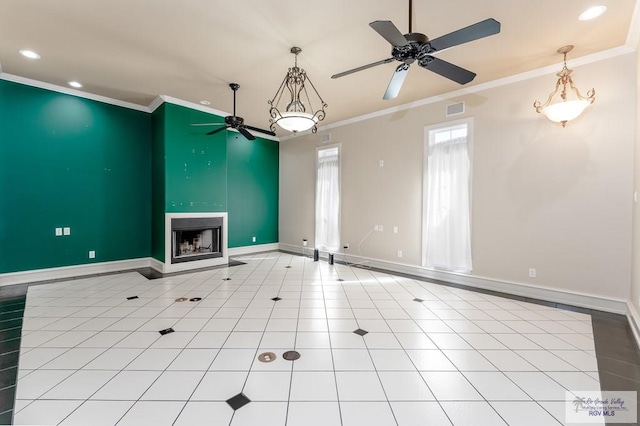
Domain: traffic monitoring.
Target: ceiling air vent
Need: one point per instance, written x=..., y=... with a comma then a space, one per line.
x=455, y=109
x=325, y=138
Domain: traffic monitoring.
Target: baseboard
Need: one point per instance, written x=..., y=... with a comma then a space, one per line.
x=156, y=264
x=259, y=248
x=634, y=321
x=72, y=271
x=517, y=289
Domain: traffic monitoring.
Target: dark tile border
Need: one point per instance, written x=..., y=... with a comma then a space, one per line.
x=12, y=305
x=6, y=418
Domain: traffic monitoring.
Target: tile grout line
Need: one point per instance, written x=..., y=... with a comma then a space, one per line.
x=143, y=351
x=295, y=337
x=333, y=361
x=261, y=337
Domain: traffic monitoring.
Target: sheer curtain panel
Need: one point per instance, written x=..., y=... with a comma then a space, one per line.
x=447, y=222
x=328, y=199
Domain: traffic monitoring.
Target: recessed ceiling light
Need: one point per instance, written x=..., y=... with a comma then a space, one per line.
x=29, y=54
x=592, y=12
x=205, y=102
x=75, y=84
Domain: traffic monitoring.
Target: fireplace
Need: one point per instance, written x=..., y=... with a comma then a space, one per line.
x=196, y=239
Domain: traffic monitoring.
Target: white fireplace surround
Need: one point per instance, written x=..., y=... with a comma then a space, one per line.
x=168, y=267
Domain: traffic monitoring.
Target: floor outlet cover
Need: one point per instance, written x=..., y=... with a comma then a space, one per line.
x=291, y=355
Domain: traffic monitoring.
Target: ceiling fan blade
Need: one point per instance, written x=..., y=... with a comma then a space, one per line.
x=207, y=124
x=364, y=67
x=256, y=129
x=448, y=70
x=390, y=32
x=246, y=133
x=472, y=32
x=396, y=81
x=213, y=132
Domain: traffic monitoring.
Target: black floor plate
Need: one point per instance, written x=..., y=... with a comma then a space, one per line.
x=238, y=401
x=166, y=331
x=361, y=332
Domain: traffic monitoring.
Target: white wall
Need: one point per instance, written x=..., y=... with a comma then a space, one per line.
x=635, y=265
x=558, y=200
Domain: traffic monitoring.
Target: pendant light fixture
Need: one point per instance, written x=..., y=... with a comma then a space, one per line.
x=295, y=113
x=565, y=109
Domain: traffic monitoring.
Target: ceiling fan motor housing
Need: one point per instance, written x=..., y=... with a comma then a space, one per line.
x=417, y=48
x=234, y=121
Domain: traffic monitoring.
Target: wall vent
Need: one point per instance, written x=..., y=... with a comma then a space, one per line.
x=325, y=138
x=455, y=109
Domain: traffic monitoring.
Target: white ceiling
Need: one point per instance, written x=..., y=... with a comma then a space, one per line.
x=134, y=50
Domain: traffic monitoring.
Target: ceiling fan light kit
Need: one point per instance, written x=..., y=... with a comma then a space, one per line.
x=297, y=115
x=416, y=47
x=565, y=110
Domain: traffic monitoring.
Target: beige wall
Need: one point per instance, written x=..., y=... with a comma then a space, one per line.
x=558, y=200
x=635, y=265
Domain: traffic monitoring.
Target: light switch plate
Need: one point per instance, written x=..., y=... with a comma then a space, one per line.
x=58, y=232
x=66, y=230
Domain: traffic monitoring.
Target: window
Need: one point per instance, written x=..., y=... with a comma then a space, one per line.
x=328, y=199
x=447, y=182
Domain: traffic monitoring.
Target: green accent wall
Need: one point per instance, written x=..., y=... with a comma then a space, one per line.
x=111, y=173
x=157, y=186
x=195, y=164
x=66, y=161
x=253, y=190
x=213, y=173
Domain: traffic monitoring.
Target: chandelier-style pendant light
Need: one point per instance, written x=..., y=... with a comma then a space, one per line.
x=297, y=115
x=565, y=110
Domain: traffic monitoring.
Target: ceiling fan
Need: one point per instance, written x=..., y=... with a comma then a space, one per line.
x=235, y=122
x=413, y=47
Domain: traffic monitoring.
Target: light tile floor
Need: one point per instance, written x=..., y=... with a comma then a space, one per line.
x=91, y=356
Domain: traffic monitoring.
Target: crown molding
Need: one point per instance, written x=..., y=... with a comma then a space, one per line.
x=72, y=92
x=155, y=103
x=190, y=105
x=551, y=69
x=220, y=114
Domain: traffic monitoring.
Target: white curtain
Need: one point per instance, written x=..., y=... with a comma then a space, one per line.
x=328, y=200
x=448, y=228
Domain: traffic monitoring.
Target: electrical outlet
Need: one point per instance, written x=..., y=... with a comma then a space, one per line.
x=399, y=253
x=395, y=229
x=92, y=254
x=253, y=239
x=58, y=232
x=532, y=272
x=66, y=230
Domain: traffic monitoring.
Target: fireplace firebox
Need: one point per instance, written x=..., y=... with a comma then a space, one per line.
x=196, y=238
